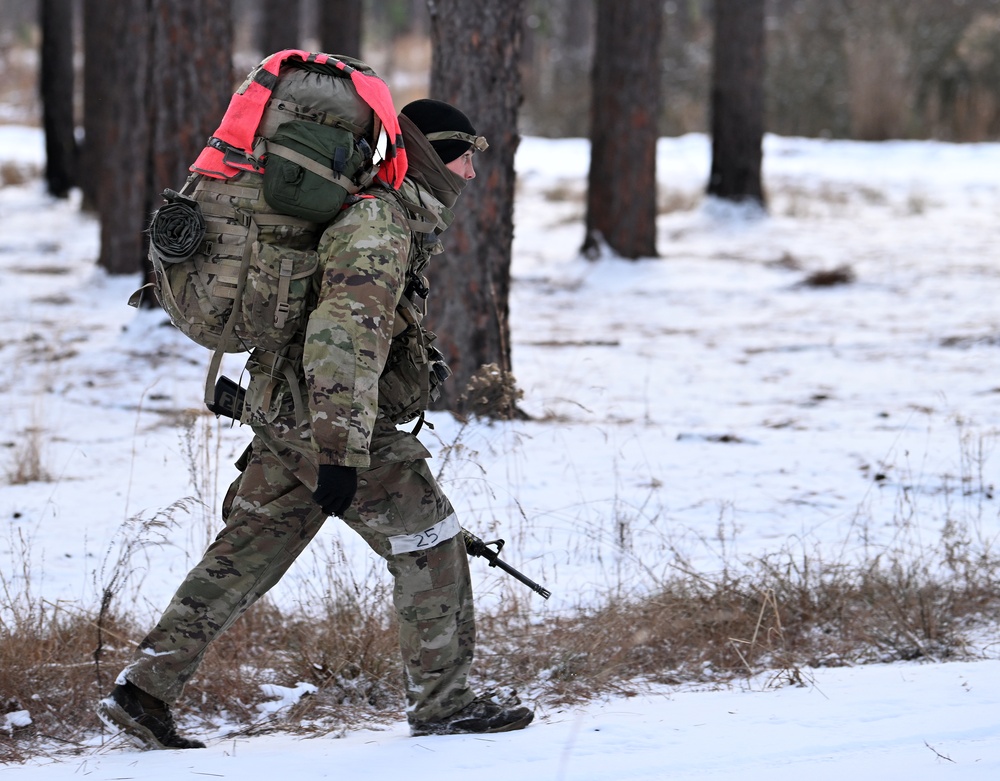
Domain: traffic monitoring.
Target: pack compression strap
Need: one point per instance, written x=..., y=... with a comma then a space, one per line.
x=220, y=159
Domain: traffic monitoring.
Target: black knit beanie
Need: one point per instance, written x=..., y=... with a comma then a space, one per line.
x=435, y=116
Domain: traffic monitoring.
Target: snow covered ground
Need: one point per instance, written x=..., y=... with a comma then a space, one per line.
x=698, y=409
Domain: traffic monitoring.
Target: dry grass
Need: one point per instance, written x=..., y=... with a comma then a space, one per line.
x=25, y=458
x=47, y=667
x=14, y=173
x=780, y=617
x=840, y=275
x=492, y=393
x=772, y=619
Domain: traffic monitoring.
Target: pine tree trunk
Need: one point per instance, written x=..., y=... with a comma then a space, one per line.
x=190, y=86
x=97, y=70
x=621, y=188
x=558, y=53
x=56, y=84
x=737, y=102
x=279, y=26
x=340, y=27
x=167, y=78
x=125, y=136
x=476, y=67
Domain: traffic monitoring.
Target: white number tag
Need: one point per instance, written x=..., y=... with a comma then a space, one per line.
x=428, y=538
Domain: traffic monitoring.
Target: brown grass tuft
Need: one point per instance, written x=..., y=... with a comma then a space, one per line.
x=841, y=275
x=25, y=459
x=492, y=393
x=778, y=619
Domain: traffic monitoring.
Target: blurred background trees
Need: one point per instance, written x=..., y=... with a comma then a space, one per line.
x=840, y=68
x=861, y=69
x=158, y=96
x=55, y=83
x=737, y=103
x=623, y=129
x=476, y=51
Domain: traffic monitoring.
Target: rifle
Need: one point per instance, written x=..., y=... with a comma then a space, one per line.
x=476, y=547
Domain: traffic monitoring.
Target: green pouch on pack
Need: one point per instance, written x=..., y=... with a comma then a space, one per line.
x=278, y=298
x=310, y=170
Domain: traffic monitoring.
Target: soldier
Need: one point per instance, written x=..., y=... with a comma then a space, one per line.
x=363, y=365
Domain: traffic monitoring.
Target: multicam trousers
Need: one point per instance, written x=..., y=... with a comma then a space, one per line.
x=270, y=517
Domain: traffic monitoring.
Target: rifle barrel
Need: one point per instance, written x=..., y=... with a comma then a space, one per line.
x=476, y=547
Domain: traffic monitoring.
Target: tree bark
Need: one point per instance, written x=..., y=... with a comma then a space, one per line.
x=123, y=131
x=279, y=26
x=97, y=69
x=191, y=86
x=738, y=101
x=558, y=51
x=167, y=78
x=475, y=66
x=56, y=86
x=621, y=188
x=340, y=27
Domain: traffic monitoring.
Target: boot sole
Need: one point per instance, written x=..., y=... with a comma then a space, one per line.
x=118, y=720
x=517, y=724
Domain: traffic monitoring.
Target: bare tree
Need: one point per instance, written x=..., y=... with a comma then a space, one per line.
x=279, y=27
x=621, y=192
x=121, y=130
x=558, y=50
x=190, y=86
x=340, y=27
x=98, y=68
x=56, y=86
x=737, y=101
x=476, y=66
x=167, y=77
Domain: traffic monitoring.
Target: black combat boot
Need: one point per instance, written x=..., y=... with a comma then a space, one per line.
x=486, y=713
x=143, y=718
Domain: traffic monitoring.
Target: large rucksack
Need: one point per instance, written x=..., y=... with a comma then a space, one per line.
x=234, y=252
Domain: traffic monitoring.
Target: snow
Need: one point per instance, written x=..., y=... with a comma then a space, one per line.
x=695, y=411
x=17, y=719
x=922, y=722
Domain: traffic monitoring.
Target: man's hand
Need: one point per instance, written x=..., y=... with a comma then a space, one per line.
x=335, y=488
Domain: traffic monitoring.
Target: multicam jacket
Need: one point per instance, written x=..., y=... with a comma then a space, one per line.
x=368, y=255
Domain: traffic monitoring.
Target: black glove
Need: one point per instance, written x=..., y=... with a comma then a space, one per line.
x=335, y=488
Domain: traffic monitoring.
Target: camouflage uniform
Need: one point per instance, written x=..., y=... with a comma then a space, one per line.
x=399, y=510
